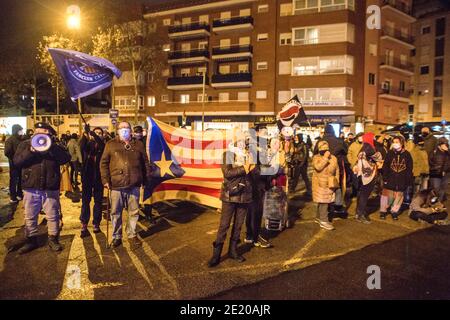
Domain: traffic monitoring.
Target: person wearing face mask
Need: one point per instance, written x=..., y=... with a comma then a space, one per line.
x=41, y=179
x=352, y=157
x=421, y=167
x=11, y=145
x=440, y=168
x=92, y=147
x=397, y=176
x=430, y=141
x=124, y=169
x=300, y=155
x=325, y=181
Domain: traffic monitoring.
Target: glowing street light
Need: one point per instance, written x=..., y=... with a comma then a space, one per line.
x=73, y=17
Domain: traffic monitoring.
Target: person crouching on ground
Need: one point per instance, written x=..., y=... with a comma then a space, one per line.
x=366, y=169
x=41, y=180
x=426, y=206
x=236, y=196
x=124, y=169
x=325, y=181
x=397, y=176
x=92, y=147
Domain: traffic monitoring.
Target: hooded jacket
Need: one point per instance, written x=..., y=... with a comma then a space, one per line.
x=398, y=170
x=337, y=146
x=439, y=163
x=12, y=143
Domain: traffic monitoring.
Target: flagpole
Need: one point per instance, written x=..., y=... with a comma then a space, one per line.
x=57, y=106
x=79, y=120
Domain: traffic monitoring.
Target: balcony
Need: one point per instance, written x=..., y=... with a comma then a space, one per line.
x=235, y=23
x=188, y=57
x=232, y=80
x=396, y=65
x=326, y=6
x=236, y=52
x=386, y=92
x=397, y=36
x=189, y=31
x=399, y=7
x=186, y=83
x=211, y=106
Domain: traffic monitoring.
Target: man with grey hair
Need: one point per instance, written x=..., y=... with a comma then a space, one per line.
x=124, y=168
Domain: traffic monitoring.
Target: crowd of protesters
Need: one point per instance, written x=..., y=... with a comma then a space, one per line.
x=399, y=171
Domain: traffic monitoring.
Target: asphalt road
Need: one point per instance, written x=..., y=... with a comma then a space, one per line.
x=306, y=262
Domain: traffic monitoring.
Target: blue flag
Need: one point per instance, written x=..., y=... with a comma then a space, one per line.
x=83, y=74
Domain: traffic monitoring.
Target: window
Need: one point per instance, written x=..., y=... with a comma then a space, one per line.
x=404, y=32
x=285, y=9
x=263, y=8
x=186, y=20
x=225, y=43
x=306, y=36
x=324, y=96
x=185, y=46
x=243, y=68
x=261, y=94
x=328, y=33
x=200, y=97
x=426, y=30
x=164, y=98
x=224, y=69
x=200, y=71
x=224, y=97
x=263, y=36
x=439, y=67
x=284, y=96
x=203, y=45
x=437, y=108
x=244, y=12
x=373, y=49
x=225, y=15
x=242, y=96
x=285, y=39
x=311, y=6
x=261, y=65
x=322, y=65
x=424, y=69
x=440, y=27
x=440, y=44
x=184, y=98
x=403, y=59
x=165, y=72
x=151, y=101
x=372, y=78
x=203, y=19
x=243, y=41
x=402, y=86
x=166, y=47
x=389, y=57
x=284, y=67
x=438, y=88
x=166, y=22
x=185, y=72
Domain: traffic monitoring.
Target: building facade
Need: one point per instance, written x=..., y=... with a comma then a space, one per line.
x=431, y=97
x=239, y=61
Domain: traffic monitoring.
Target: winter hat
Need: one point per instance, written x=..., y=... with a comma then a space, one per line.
x=16, y=128
x=323, y=146
x=442, y=140
x=369, y=138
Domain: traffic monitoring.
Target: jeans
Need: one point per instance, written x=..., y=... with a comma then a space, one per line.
x=440, y=185
x=88, y=192
x=322, y=212
x=36, y=201
x=303, y=171
x=74, y=171
x=363, y=197
x=230, y=210
x=124, y=199
x=15, y=183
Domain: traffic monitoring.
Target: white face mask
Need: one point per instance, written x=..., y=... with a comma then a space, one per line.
x=396, y=146
x=20, y=132
x=125, y=133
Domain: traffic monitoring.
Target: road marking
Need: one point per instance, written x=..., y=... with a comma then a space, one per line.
x=298, y=256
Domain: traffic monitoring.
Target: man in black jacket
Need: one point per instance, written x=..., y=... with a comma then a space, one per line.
x=397, y=176
x=299, y=162
x=124, y=169
x=11, y=145
x=440, y=168
x=41, y=179
x=92, y=147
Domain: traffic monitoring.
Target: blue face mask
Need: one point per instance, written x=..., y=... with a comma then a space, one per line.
x=125, y=133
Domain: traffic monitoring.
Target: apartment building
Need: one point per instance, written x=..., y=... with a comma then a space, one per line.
x=431, y=99
x=249, y=57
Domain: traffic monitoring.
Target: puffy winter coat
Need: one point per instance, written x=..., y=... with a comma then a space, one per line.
x=430, y=144
x=323, y=169
x=420, y=161
x=439, y=163
x=40, y=171
x=122, y=168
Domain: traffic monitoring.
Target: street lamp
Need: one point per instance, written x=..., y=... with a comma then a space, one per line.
x=73, y=17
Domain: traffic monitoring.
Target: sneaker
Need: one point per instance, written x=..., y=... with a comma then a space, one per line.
x=248, y=241
x=135, y=243
x=326, y=225
x=262, y=243
x=364, y=219
x=13, y=200
x=383, y=216
x=116, y=243
x=84, y=231
x=53, y=243
x=394, y=217
x=97, y=228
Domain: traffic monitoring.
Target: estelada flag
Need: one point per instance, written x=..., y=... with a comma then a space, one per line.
x=186, y=164
x=83, y=74
x=292, y=113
